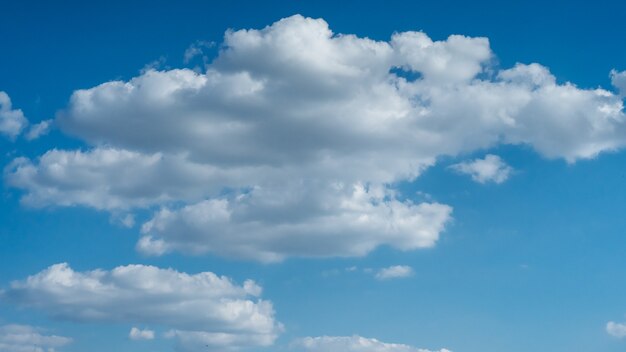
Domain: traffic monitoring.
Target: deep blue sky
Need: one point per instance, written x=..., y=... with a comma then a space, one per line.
x=535, y=263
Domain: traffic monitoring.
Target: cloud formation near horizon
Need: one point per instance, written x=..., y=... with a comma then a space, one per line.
x=290, y=142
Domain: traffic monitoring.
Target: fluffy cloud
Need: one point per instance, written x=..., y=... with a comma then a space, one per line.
x=394, y=272
x=490, y=169
x=24, y=338
x=263, y=225
x=140, y=334
x=12, y=121
x=265, y=152
x=616, y=329
x=353, y=344
x=203, y=303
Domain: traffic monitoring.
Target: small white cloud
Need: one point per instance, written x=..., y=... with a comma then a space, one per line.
x=353, y=344
x=39, y=130
x=139, y=334
x=490, y=169
x=12, y=121
x=24, y=338
x=394, y=272
x=616, y=329
x=618, y=79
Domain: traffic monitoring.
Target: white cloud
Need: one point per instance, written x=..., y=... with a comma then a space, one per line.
x=12, y=121
x=616, y=329
x=353, y=344
x=260, y=225
x=490, y=169
x=24, y=338
x=274, y=138
x=39, y=129
x=394, y=272
x=138, y=294
x=618, y=79
x=140, y=334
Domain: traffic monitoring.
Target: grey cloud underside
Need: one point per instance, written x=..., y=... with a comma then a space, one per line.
x=290, y=141
x=225, y=315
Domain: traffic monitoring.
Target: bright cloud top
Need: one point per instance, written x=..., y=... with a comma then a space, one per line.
x=203, y=303
x=12, y=121
x=289, y=141
x=353, y=344
x=490, y=169
x=616, y=329
x=24, y=338
x=394, y=272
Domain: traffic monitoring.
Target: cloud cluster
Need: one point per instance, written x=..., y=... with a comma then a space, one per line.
x=394, y=272
x=200, y=304
x=24, y=338
x=291, y=140
x=12, y=121
x=489, y=169
x=353, y=344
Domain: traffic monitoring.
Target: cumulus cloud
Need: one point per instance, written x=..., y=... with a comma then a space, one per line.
x=394, y=272
x=24, y=338
x=344, y=221
x=203, y=303
x=140, y=334
x=353, y=344
x=490, y=169
x=616, y=329
x=12, y=121
x=265, y=150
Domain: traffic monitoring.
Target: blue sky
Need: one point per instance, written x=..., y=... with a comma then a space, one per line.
x=309, y=176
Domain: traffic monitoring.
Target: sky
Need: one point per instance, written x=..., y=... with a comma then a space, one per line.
x=311, y=176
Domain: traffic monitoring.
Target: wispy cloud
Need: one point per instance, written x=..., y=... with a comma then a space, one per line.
x=394, y=272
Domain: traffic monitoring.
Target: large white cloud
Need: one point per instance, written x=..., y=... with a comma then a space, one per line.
x=136, y=294
x=353, y=344
x=263, y=151
x=12, y=121
x=24, y=338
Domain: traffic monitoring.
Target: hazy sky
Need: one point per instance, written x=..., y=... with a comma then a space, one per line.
x=309, y=176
